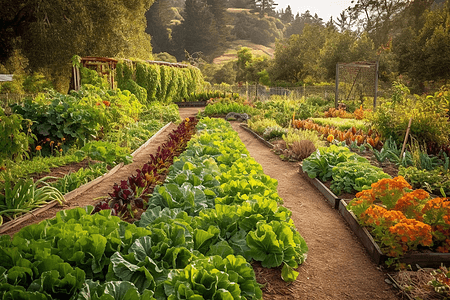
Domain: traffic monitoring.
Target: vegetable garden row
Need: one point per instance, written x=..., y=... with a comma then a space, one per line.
x=215, y=213
x=403, y=216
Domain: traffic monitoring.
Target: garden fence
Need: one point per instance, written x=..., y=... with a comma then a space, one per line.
x=264, y=93
x=8, y=99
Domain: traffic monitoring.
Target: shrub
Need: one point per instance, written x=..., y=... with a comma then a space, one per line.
x=429, y=118
x=273, y=132
x=296, y=135
x=260, y=126
x=302, y=149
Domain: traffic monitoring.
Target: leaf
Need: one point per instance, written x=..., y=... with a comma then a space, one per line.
x=203, y=239
x=221, y=248
x=288, y=274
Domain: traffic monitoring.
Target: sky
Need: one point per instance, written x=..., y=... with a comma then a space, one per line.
x=323, y=8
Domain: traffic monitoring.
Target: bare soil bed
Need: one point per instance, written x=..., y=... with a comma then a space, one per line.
x=337, y=266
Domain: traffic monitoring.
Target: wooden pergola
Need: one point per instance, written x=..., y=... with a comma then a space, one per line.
x=107, y=66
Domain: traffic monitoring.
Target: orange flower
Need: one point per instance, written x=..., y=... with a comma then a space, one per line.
x=107, y=103
x=330, y=138
x=60, y=150
x=38, y=148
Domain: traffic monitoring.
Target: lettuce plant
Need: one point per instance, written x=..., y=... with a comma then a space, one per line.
x=321, y=163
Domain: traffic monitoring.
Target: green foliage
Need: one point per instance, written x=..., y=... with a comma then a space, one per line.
x=25, y=195
x=429, y=120
x=163, y=113
x=434, y=181
x=281, y=110
x=224, y=108
x=321, y=163
x=37, y=164
x=61, y=121
x=276, y=243
x=258, y=30
x=260, y=126
x=274, y=132
x=135, y=134
x=158, y=83
x=353, y=176
x=138, y=91
x=341, y=124
x=14, y=141
x=249, y=68
x=89, y=76
x=226, y=278
x=50, y=46
x=74, y=180
x=106, y=152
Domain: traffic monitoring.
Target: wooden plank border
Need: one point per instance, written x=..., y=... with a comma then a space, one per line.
x=415, y=260
x=260, y=138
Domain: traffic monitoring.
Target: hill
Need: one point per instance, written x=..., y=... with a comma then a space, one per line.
x=231, y=53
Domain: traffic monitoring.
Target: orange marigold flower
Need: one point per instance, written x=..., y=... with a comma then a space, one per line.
x=107, y=103
x=52, y=142
x=38, y=148
x=330, y=138
x=60, y=150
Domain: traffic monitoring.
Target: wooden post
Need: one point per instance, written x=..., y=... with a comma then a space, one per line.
x=406, y=138
x=376, y=88
x=336, y=95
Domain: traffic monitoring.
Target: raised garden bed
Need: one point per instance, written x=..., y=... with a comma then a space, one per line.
x=260, y=138
x=191, y=104
x=424, y=260
x=329, y=195
x=73, y=194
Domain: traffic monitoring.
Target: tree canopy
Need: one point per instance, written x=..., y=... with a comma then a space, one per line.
x=48, y=33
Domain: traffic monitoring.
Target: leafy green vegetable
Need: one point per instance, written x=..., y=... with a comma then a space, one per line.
x=321, y=163
x=277, y=242
x=352, y=176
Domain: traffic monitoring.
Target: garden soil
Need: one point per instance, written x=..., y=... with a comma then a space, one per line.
x=337, y=266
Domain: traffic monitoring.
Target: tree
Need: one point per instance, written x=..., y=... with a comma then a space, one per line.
x=375, y=17
x=249, y=68
x=425, y=55
x=287, y=16
x=158, y=20
x=219, y=11
x=258, y=30
x=296, y=27
x=297, y=57
x=197, y=31
x=345, y=21
x=49, y=32
x=266, y=6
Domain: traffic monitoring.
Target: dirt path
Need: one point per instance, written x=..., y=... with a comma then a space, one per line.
x=337, y=266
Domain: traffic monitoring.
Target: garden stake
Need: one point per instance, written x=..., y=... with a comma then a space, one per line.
x=406, y=138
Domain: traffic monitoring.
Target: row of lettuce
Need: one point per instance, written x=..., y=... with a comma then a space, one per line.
x=216, y=212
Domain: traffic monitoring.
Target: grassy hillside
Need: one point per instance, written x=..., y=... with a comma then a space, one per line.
x=235, y=46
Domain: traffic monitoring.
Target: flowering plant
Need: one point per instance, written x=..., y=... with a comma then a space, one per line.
x=401, y=219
